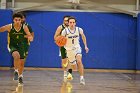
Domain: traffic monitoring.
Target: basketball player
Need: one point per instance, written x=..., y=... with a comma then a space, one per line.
x=62, y=49
x=30, y=30
x=73, y=48
x=16, y=44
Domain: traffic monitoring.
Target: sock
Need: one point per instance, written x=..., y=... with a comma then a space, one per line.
x=21, y=75
x=65, y=73
x=70, y=71
x=16, y=70
x=81, y=77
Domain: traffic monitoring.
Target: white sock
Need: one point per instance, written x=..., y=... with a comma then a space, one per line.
x=21, y=75
x=65, y=73
x=16, y=70
x=81, y=77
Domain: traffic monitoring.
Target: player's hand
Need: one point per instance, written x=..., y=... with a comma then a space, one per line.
x=30, y=38
x=86, y=48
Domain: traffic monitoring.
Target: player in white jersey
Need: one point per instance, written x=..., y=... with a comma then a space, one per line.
x=73, y=49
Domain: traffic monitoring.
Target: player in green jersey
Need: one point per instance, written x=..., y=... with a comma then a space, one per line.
x=17, y=44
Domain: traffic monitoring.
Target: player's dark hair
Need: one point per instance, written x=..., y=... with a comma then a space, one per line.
x=23, y=14
x=17, y=15
x=66, y=16
x=71, y=18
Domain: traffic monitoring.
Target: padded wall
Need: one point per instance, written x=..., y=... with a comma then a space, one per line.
x=138, y=44
x=111, y=38
x=5, y=57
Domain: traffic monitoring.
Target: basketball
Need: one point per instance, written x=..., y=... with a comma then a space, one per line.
x=61, y=41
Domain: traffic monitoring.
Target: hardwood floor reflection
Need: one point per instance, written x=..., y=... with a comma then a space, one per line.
x=51, y=81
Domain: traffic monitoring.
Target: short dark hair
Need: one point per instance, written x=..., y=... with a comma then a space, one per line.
x=66, y=16
x=72, y=18
x=17, y=15
x=23, y=14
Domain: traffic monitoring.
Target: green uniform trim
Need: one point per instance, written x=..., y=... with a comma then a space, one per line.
x=63, y=52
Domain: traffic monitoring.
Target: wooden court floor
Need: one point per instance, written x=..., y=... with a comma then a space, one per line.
x=51, y=81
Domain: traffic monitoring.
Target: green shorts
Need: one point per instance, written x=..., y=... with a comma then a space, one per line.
x=63, y=52
x=21, y=48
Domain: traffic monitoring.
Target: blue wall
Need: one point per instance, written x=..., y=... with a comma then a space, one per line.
x=138, y=44
x=111, y=39
x=5, y=57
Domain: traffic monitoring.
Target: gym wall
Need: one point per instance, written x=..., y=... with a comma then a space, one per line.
x=138, y=44
x=111, y=38
x=5, y=57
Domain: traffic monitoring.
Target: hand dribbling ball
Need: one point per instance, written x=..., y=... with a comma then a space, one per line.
x=61, y=41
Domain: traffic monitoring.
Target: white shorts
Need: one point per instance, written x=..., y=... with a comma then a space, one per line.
x=71, y=54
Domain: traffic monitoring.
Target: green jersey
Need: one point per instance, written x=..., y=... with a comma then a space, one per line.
x=16, y=41
x=16, y=37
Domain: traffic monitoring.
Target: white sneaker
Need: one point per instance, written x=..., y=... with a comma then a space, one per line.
x=82, y=81
x=69, y=76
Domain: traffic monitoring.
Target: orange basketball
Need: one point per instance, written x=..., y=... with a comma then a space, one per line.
x=61, y=41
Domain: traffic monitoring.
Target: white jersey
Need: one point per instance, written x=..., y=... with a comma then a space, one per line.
x=72, y=37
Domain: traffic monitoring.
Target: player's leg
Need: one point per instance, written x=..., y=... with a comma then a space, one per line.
x=80, y=68
x=21, y=69
x=16, y=57
x=74, y=66
x=69, y=72
x=80, y=65
x=22, y=51
x=78, y=56
x=71, y=60
x=65, y=65
x=64, y=62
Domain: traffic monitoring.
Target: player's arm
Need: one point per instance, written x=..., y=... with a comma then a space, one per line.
x=32, y=34
x=58, y=31
x=84, y=39
x=29, y=36
x=5, y=28
x=31, y=31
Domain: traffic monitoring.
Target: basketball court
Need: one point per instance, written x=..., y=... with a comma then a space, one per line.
x=51, y=81
x=113, y=36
